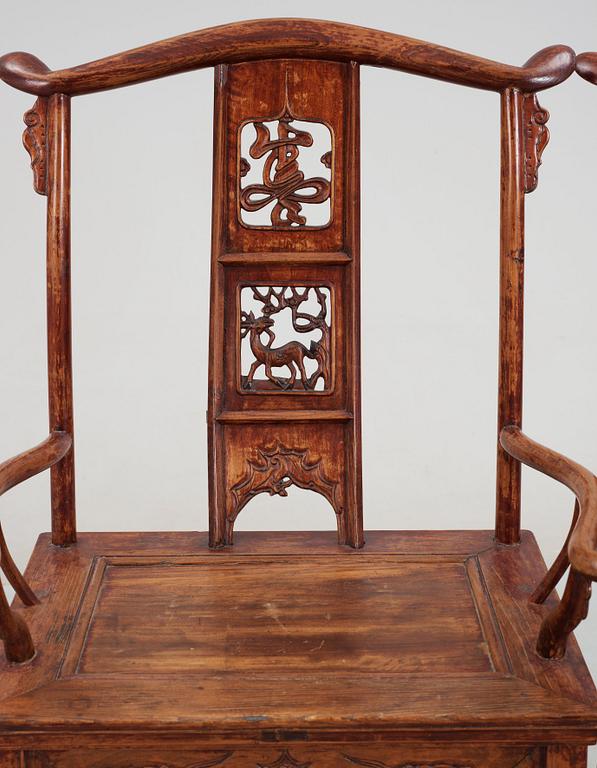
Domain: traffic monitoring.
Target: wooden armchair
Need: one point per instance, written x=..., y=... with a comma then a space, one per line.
x=289, y=650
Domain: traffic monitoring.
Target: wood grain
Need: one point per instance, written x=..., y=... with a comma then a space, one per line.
x=586, y=66
x=147, y=620
x=254, y=697
x=14, y=632
x=249, y=419
x=279, y=38
x=511, y=331
x=371, y=756
x=292, y=650
x=60, y=384
x=582, y=549
x=33, y=461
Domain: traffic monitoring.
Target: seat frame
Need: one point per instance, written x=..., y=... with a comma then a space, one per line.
x=267, y=434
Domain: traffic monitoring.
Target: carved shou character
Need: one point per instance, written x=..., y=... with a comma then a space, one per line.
x=283, y=189
x=289, y=310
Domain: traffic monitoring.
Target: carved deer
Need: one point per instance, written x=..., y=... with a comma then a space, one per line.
x=290, y=355
x=275, y=300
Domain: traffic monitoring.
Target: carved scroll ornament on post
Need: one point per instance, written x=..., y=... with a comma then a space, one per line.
x=536, y=138
x=34, y=141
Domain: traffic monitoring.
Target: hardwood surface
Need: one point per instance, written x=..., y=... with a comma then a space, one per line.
x=14, y=632
x=437, y=649
x=279, y=38
x=268, y=427
x=586, y=66
x=347, y=756
x=290, y=634
x=511, y=332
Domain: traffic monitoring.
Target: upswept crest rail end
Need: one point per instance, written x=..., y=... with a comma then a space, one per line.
x=586, y=66
x=279, y=38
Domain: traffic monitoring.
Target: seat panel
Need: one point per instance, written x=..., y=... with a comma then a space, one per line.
x=263, y=614
x=290, y=636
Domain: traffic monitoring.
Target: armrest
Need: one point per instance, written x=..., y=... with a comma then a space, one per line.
x=29, y=463
x=13, y=630
x=282, y=38
x=582, y=549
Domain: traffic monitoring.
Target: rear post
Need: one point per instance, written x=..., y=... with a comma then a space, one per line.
x=59, y=313
x=524, y=136
x=511, y=311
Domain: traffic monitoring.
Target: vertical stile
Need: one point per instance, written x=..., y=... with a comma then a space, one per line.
x=354, y=520
x=59, y=315
x=216, y=490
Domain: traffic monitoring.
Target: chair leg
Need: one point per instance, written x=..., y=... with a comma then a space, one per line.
x=14, y=633
x=566, y=756
x=14, y=576
x=559, y=567
x=10, y=759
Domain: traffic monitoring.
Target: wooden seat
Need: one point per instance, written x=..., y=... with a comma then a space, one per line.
x=293, y=633
x=380, y=649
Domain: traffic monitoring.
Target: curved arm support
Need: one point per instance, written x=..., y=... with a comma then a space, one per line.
x=35, y=460
x=582, y=548
x=14, y=632
x=586, y=66
x=279, y=38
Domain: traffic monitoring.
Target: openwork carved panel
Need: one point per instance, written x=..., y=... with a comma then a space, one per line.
x=285, y=339
x=287, y=181
x=284, y=389
x=279, y=467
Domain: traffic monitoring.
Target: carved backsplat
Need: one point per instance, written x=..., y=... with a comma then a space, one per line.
x=34, y=141
x=284, y=403
x=276, y=470
x=536, y=137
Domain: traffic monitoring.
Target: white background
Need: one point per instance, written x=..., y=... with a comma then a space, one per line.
x=141, y=249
